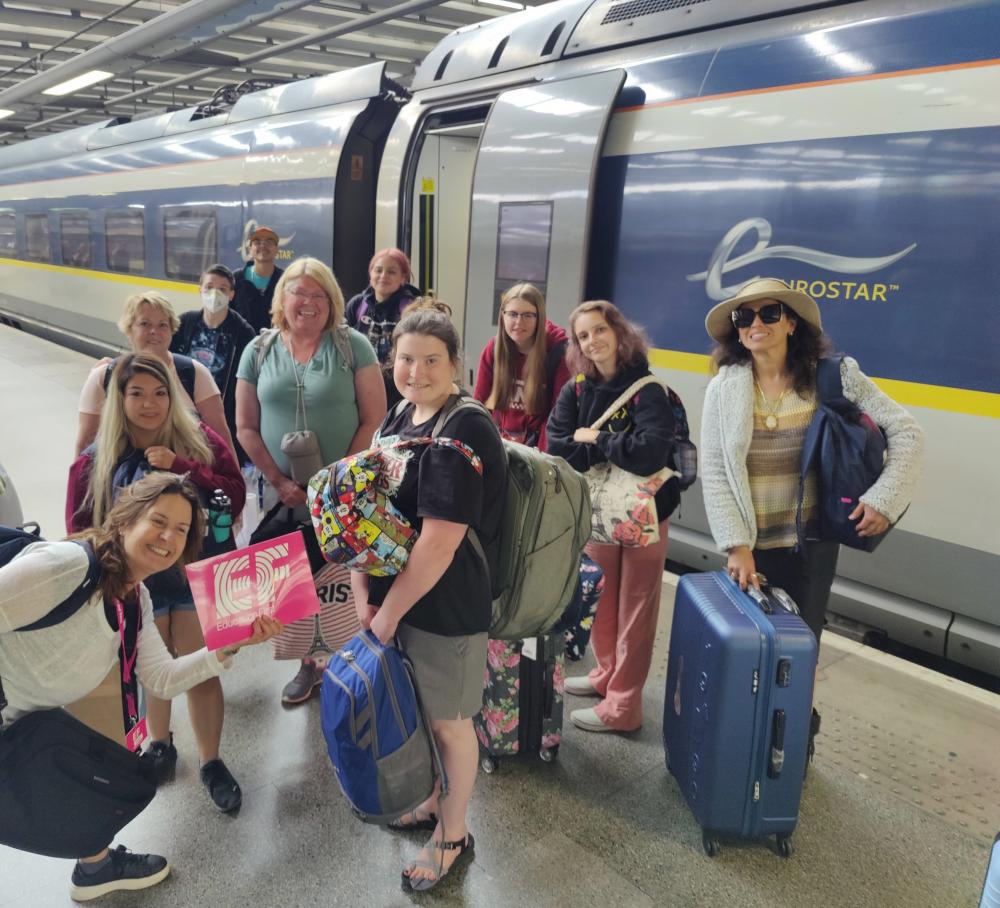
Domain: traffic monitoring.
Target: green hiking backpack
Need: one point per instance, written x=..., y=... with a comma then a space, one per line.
x=546, y=523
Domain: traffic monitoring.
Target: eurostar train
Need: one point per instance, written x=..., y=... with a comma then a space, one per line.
x=654, y=152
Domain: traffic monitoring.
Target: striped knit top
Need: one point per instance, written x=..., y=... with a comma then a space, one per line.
x=773, y=463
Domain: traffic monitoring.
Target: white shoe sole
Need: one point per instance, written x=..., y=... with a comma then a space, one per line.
x=589, y=692
x=589, y=726
x=86, y=893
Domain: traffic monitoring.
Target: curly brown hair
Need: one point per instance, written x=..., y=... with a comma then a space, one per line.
x=807, y=345
x=133, y=502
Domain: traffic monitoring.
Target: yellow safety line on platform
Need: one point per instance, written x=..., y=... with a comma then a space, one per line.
x=914, y=394
x=140, y=281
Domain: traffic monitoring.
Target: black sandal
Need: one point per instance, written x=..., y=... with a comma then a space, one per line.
x=464, y=846
x=429, y=824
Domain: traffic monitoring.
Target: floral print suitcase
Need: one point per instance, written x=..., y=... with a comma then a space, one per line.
x=522, y=700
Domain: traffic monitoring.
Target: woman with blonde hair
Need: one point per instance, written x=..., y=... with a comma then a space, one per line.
x=145, y=427
x=523, y=368
x=311, y=371
x=149, y=322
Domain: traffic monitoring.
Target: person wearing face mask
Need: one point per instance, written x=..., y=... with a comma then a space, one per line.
x=215, y=336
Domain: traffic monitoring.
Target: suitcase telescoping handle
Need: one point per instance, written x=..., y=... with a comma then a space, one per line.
x=767, y=593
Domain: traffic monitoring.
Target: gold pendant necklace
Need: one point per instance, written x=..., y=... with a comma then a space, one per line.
x=770, y=416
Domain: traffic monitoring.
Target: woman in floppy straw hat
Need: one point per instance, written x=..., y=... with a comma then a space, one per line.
x=768, y=340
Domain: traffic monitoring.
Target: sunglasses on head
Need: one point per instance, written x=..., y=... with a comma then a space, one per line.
x=769, y=314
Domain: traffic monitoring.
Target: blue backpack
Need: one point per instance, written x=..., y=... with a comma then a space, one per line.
x=848, y=450
x=379, y=741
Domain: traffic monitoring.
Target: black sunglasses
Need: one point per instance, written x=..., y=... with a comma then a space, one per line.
x=769, y=314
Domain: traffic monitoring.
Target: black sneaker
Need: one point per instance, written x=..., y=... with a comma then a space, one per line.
x=221, y=785
x=124, y=871
x=159, y=761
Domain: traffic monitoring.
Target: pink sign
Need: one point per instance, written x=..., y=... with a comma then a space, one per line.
x=270, y=578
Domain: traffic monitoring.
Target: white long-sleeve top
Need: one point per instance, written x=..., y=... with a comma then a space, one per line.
x=60, y=664
x=727, y=430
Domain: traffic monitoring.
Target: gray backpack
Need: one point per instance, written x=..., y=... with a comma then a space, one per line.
x=546, y=524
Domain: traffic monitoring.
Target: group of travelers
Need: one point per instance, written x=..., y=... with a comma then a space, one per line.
x=204, y=402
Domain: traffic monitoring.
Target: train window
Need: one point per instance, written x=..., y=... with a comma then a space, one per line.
x=189, y=236
x=74, y=238
x=523, y=241
x=8, y=233
x=36, y=228
x=125, y=241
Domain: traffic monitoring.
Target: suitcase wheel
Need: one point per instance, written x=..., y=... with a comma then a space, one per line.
x=710, y=844
x=548, y=754
x=784, y=845
x=489, y=764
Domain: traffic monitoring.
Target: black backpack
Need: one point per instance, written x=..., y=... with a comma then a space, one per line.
x=847, y=450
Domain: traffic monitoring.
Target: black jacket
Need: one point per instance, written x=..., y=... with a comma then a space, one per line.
x=376, y=321
x=638, y=438
x=240, y=334
x=250, y=302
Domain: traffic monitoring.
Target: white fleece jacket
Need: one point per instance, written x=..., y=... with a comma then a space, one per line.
x=727, y=428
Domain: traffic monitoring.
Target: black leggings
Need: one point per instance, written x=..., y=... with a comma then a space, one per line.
x=806, y=576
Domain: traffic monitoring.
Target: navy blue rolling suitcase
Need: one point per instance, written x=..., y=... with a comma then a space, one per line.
x=737, y=708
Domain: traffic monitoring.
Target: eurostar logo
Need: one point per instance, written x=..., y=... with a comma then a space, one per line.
x=243, y=582
x=721, y=263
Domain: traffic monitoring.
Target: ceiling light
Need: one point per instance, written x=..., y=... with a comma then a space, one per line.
x=503, y=4
x=5, y=113
x=72, y=85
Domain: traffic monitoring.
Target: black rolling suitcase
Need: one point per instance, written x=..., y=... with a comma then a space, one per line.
x=65, y=789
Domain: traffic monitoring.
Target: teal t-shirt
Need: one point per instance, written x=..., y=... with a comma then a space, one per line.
x=331, y=405
x=259, y=282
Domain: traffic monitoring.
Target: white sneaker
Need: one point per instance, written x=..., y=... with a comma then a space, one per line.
x=588, y=720
x=580, y=687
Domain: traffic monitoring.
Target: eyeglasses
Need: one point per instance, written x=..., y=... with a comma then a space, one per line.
x=302, y=296
x=769, y=314
x=520, y=316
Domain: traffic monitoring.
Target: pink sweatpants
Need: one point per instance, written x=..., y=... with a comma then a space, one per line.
x=625, y=627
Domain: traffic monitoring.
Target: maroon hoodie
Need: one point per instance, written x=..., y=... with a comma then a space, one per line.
x=514, y=424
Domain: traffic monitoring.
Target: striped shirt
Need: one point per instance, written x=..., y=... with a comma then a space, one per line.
x=773, y=464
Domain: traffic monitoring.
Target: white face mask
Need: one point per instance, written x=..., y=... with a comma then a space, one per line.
x=214, y=300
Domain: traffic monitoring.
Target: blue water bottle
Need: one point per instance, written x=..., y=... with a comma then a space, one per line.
x=220, y=515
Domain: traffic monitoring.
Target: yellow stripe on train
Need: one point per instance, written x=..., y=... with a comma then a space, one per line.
x=137, y=280
x=913, y=394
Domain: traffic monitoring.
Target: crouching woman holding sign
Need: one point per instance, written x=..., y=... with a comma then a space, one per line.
x=155, y=523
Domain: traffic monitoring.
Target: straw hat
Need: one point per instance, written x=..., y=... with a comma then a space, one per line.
x=719, y=323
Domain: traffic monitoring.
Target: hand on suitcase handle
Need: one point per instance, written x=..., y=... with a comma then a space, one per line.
x=763, y=594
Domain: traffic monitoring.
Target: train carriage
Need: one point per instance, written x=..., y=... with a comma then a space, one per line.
x=655, y=153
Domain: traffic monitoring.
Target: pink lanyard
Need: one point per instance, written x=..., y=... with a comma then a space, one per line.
x=133, y=711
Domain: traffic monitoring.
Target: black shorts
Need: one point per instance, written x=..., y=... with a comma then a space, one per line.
x=806, y=576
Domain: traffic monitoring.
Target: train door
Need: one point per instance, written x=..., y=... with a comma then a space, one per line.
x=439, y=212
x=531, y=197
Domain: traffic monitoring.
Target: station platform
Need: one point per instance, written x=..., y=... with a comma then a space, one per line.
x=900, y=806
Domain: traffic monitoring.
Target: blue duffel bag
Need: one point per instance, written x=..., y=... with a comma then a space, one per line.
x=378, y=739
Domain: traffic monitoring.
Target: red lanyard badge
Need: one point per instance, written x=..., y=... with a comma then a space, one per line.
x=136, y=733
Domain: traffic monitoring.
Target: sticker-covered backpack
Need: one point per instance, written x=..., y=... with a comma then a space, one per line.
x=356, y=523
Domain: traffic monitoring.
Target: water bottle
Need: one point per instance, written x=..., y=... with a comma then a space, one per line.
x=220, y=515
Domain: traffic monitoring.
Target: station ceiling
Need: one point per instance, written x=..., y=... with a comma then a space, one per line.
x=160, y=55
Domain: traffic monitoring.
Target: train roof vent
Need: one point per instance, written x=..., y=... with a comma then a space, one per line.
x=322, y=91
x=611, y=23
x=48, y=148
x=190, y=119
x=137, y=131
x=514, y=41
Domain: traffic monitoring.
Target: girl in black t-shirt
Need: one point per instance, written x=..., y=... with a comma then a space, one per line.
x=439, y=607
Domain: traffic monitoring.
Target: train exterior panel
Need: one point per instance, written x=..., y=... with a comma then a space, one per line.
x=849, y=149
